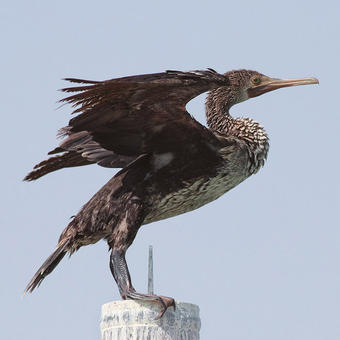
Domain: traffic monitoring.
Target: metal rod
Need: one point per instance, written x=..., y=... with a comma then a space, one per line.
x=150, y=271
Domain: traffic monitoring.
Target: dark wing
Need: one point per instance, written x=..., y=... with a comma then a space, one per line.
x=83, y=144
x=122, y=118
x=78, y=149
x=143, y=114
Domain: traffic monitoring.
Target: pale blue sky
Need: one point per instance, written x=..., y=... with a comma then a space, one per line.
x=262, y=262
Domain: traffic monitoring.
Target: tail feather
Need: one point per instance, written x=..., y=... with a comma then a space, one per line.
x=47, y=267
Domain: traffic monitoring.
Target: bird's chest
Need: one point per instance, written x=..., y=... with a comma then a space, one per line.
x=192, y=194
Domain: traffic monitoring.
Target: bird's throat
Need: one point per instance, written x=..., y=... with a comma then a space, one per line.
x=255, y=138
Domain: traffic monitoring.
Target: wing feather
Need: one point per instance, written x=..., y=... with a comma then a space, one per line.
x=122, y=118
x=145, y=113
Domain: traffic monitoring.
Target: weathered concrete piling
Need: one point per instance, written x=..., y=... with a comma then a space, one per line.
x=131, y=320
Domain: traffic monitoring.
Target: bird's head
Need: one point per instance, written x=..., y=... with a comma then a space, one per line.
x=245, y=84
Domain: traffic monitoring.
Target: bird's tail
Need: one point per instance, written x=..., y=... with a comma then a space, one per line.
x=48, y=266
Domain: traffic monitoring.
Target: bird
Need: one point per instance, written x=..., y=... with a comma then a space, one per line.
x=169, y=163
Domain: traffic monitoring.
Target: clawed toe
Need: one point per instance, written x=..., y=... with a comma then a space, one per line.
x=165, y=301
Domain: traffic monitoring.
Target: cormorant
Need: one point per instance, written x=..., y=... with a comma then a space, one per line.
x=171, y=164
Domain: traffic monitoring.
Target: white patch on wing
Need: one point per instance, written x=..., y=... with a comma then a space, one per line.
x=161, y=160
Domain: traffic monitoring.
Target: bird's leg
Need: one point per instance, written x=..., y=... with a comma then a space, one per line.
x=120, y=272
x=123, y=235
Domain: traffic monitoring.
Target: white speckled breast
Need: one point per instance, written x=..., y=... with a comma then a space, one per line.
x=193, y=195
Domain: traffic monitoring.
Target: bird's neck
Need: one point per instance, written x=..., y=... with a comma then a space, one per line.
x=245, y=129
x=217, y=110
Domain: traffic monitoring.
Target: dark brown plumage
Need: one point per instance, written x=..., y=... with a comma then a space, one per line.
x=171, y=163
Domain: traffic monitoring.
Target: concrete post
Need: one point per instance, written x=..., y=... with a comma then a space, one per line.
x=131, y=320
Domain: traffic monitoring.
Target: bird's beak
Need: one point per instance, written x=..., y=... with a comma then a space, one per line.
x=269, y=84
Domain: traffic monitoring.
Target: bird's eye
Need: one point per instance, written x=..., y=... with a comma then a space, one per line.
x=256, y=80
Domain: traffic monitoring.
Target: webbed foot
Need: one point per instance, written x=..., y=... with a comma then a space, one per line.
x=164, y=301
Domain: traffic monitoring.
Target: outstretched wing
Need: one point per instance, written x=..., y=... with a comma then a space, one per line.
x=122, y=118
x=143, y=114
